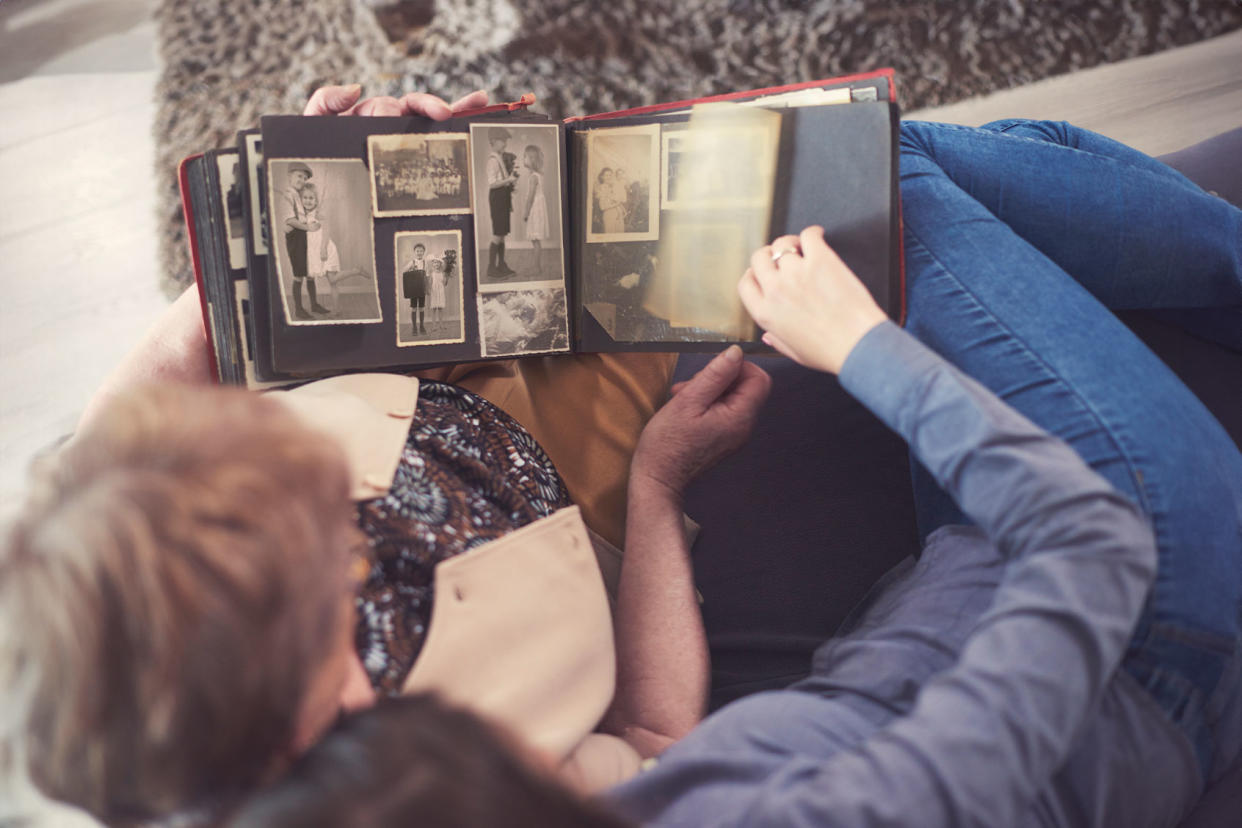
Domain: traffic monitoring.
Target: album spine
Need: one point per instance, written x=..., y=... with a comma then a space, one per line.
x=187, y=206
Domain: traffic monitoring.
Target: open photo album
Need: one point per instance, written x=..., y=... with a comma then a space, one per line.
x=328, y=245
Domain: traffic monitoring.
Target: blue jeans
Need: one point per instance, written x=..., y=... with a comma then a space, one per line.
x=1020, y=237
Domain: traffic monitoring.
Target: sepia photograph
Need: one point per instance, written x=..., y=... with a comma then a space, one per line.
x=322, y=240
x=700, y=168
x=257, y=186
x=228, y=165
x=623, y=167
x=516, y=174
x=530, y=321
x=429, y=288
x=419, y=175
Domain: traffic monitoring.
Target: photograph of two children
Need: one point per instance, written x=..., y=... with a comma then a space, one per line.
x=496, y=187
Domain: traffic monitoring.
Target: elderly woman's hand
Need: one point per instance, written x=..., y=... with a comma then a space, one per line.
x=344, y=100
x=708, y=418
x=811, y=305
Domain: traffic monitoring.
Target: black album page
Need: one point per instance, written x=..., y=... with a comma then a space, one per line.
x=405, y=242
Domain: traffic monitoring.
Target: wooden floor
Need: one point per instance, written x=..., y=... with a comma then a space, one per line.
x=77, y=228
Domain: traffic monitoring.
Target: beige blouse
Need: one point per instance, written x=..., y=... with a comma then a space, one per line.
x=521, y=631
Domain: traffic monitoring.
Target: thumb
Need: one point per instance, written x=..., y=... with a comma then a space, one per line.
x=714, y=379
x=332, y=100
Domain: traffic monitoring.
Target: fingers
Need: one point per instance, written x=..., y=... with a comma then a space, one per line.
x=422, y=103
x=332, y=100
x=714, y=379
x=474, y=100
x=380, y=107
x=749, y=391
x=773, y=341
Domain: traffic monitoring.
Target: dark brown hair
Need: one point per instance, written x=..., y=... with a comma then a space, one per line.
x=166, y=593
x=417, y=761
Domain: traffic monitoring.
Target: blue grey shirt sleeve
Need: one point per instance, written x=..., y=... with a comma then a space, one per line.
x=987, y=734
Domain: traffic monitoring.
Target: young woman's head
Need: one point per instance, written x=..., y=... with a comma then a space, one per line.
x=534, y=158
x=605, y=175
x=309, y=196
x=174, y=598
x=417, y=761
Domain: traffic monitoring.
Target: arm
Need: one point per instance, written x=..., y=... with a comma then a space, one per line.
x=985, y=736
x=662, y=662
x=530, y=196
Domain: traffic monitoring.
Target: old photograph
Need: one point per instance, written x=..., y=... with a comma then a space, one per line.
x=429, y=288
x=229, y=167
x=530, y=321
x=623, y=167
x=700, y=169
x=516, y=174
x=322, y=240
x=419, y=175
x=257, y=185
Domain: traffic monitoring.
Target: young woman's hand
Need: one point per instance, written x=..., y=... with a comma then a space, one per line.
x=811, y=305
x=708, y=418
x=344, y=100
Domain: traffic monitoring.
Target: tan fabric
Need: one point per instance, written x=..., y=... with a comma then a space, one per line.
x=586, y=410
x=521, y=633
x=368, y=414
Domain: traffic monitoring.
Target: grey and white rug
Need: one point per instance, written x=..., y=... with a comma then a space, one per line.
x=226, y=62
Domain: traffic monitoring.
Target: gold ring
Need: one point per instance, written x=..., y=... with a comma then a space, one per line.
x=776, y=257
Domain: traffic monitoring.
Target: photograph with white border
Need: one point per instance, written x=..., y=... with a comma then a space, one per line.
x=430, y=288
x=622, y=170
x=424, y=174
x=523, y=321
x=322, y=240
x=516, y=180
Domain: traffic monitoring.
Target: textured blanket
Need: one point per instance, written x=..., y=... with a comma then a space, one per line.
x=226, y=62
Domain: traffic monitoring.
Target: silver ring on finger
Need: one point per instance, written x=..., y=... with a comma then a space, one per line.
x=776, y=255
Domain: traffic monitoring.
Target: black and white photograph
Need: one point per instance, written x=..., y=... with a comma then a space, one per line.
x=623, y=167
x=419, y=175
x=516, y=176
x=701, y=170
x=228, y=164
x=529, y=321
x=258, y=186
x=322, y=240
x=430, y=306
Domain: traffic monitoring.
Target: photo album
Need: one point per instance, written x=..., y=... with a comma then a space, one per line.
x=325, y=245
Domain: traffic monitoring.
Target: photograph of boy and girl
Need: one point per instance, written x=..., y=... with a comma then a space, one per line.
x=429, y=288
x=517, y=203
x=321, y=233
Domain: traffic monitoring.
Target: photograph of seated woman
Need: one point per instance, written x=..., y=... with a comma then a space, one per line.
x=1065, y=650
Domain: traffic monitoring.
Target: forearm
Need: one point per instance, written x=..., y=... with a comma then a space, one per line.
x=662, y=660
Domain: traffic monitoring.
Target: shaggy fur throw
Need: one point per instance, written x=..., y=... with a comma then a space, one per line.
x=226, y=62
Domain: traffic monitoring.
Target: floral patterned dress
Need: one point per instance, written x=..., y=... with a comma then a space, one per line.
x=469, y=474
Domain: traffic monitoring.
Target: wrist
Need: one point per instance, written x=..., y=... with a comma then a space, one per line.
x=650, y=483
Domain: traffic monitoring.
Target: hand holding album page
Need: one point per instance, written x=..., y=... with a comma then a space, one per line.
x=718, y=191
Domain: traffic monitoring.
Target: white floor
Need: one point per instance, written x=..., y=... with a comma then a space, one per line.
x=77, y=214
